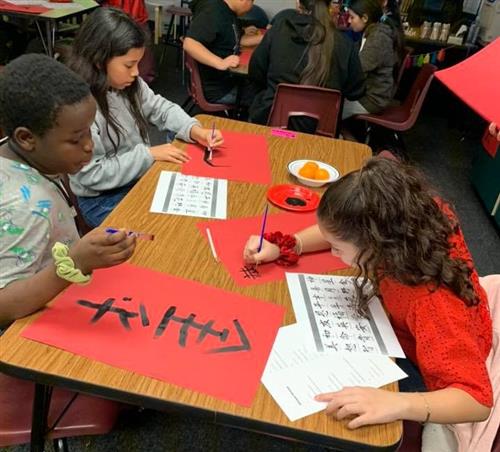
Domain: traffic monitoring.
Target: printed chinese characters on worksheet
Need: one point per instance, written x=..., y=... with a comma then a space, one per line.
x=179, y=194
x=328, y=305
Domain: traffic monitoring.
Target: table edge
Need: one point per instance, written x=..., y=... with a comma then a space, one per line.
x=217, y=417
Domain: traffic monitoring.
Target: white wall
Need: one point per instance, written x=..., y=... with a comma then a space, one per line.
x=271, y=7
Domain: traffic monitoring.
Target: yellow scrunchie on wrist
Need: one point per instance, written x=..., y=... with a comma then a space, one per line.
x=65, y=266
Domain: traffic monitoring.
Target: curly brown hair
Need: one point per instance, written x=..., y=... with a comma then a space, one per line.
x=389, y=212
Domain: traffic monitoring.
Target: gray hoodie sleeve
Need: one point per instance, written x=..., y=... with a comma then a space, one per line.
x=106, y=172
x=164, y=114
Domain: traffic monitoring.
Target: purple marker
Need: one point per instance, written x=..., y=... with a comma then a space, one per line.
x=263, y=229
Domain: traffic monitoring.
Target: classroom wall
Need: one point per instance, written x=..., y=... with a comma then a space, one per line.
x=271, y=7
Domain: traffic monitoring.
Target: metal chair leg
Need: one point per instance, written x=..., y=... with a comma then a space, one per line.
x=41, y=405
x=60, y=445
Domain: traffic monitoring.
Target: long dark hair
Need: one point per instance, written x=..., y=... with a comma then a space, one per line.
x=387, y=210
x=369, y=8
x=105, y=34
x=374, y=12
x=320, y=43
x=392, y=17
x=392, y=11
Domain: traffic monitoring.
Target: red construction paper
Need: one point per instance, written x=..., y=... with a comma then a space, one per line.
x=243, y=157
x=245, y=56
x=476, y=81
x=28, y=9
x=230, y=237
x=229, y=375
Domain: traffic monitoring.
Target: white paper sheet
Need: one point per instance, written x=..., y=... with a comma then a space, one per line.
x=326, y=304
x=179, y=194
x=295, y=372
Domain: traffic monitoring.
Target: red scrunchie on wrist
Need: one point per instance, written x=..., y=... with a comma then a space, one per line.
x=286, y=244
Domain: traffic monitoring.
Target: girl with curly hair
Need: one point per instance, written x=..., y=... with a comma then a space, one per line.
x=387, y=223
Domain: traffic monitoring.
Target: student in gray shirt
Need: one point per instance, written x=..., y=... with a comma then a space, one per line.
x=106, y=53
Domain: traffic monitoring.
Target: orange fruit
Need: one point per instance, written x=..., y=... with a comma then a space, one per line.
x=311, y=165
x=307, y=171
x=321, y=174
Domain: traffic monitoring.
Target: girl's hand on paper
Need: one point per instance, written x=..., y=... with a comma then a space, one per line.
x=99, y=249
x=169, y=153
x=204, y=137
x=269, y=252
x=365, y=406
x=495, y=131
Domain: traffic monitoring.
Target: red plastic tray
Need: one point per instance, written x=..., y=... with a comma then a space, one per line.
x=293, y=197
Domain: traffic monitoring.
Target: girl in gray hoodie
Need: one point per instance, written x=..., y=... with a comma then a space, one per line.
x=106, y=54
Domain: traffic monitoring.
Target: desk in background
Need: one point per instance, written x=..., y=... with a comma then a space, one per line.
x=48, y=20
x=175, y=236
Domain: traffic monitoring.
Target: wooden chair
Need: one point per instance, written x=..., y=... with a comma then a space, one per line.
x=195, y=90
x=70, y=414
x=320, y=104
x=400, y=118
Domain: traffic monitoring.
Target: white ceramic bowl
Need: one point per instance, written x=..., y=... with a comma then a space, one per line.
x=296, y=165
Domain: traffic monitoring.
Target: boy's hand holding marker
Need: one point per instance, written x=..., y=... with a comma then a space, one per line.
x=231, y=61
x=100, y=249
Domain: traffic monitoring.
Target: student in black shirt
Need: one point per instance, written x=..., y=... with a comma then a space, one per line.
x=214, y=39
x=304, y=48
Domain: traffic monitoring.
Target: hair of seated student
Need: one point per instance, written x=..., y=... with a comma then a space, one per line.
x=321, y=43
x=369, y=8
x=391, y=9
x=388, y=211
x=107, y=33
x=392, y=17
x=33, y=89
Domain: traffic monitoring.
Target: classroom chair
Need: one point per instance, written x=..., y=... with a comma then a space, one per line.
x=399, y=118
x=321, y=104
x=180, y=18
x=195, y=90
x=399, y=75
x=70, y=414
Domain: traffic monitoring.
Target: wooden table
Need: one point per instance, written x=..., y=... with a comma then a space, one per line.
x=179, y=250
x=51, y=17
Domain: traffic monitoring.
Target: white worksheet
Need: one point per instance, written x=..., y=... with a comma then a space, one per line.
x=179, y=194
x=295, y=372
x=325, y=304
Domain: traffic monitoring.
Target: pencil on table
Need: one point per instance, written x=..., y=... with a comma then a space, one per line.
x=212, y=246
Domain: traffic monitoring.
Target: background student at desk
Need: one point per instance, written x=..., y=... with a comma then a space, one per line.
x=380, y=51
x=304, y=47
x=214, y=40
